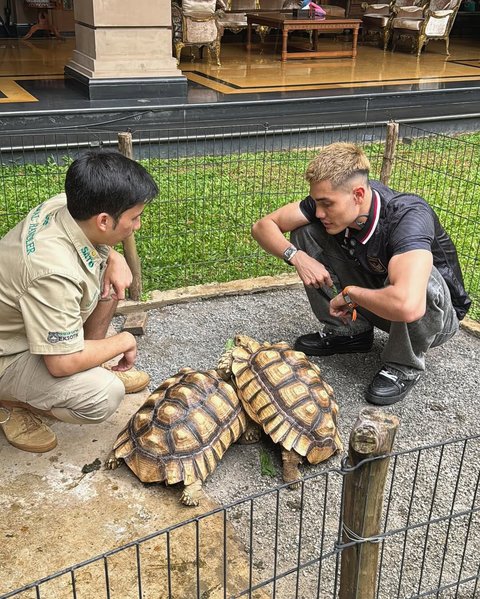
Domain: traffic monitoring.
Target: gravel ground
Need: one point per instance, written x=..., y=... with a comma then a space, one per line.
x=285, y=528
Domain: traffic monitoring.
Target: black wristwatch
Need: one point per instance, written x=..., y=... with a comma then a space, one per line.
x=289, y=253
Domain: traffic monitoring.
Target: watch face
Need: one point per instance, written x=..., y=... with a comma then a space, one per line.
x=289, y=252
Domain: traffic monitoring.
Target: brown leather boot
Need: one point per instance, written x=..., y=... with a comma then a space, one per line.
x=133, y=380
x=26, y=431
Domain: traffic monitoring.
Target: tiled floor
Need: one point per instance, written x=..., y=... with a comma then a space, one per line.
x=261, y=70
x=30, y=70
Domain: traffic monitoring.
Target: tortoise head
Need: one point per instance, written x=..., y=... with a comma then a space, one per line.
x=242, y=345
x=224, y=366
x=251, y=345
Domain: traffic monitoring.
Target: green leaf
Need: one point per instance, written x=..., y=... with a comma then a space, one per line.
x=229, y=344
x=266, y=466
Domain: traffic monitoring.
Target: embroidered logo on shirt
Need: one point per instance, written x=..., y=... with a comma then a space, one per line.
x=56, y=337
x=89, y=261
x=32, y=230
x=376, y=264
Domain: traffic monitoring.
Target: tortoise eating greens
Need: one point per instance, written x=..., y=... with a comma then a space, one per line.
x=283, y=392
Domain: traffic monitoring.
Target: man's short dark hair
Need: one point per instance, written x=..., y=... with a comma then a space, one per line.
x=106, y=181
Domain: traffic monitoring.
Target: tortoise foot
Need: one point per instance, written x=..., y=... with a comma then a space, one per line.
x=252, y=435
x=191, y=494
x=112, y=462
x=291, y=472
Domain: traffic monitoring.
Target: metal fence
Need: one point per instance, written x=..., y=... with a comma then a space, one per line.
x=287, y=544
x=214, y=184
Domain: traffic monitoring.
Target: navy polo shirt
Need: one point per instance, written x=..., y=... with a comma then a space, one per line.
x=398, y=223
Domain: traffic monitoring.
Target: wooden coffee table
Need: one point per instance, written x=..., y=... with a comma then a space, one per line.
x=287, y=22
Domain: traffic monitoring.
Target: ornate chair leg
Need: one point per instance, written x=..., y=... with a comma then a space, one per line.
x=216, y=47
x=262, y=31
x=420, y=44
x=447, y=43
x=178, y=51
x=386, y=38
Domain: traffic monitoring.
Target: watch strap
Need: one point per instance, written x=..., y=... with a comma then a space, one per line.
x=350, y=303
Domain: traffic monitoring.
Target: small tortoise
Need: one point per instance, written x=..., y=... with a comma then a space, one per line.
x=181, y=431
x=282, y=391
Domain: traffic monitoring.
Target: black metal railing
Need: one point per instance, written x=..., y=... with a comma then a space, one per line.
x=287, y=544
x=215, y=183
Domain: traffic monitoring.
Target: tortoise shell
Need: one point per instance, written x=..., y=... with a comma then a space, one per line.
x=183, y=429
x=284, y=392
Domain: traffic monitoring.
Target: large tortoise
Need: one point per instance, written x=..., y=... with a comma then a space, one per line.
x=284, y=393
x=181, y=431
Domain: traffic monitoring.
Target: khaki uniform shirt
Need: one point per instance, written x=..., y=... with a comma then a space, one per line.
x=51, y=278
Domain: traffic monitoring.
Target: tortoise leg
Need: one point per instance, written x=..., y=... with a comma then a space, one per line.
x=253, y=434
x=291, y=472
x=112, y=462
x=192, y=493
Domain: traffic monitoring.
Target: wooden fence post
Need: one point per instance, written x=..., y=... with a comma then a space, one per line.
x=125, y=147
x=389, y=153
x=372, y=435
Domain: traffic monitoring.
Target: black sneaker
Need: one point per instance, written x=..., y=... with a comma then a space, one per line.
x=328, y=344
x=389, y=386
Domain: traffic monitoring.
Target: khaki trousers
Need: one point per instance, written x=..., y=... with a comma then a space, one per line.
x=84, y=398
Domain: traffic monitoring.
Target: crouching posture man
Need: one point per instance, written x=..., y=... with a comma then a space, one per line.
x=61, y=280
x=392, y=263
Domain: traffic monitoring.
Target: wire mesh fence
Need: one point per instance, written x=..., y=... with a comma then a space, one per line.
x=215, y=184
x=287, y=544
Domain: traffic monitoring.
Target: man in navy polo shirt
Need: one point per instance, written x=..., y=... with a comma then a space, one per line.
x=395, y=265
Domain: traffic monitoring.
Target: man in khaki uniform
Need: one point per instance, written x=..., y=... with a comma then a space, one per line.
x=61, y=281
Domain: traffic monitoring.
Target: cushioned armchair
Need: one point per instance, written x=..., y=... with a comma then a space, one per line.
x=377, y=18
x=435, y=23
x=195, y=25
x=234, y=17
x=375, y=21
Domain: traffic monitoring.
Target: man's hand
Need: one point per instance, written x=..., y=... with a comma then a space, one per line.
x=339, y=308
x=117, y=276
x=126, y=361
x=312, y=272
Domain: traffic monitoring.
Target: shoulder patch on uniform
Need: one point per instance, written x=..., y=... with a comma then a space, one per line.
x=57, y=336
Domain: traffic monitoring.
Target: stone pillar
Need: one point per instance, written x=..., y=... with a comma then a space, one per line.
x=124, y=50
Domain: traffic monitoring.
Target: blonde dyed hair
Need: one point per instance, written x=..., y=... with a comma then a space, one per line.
x=338, y=163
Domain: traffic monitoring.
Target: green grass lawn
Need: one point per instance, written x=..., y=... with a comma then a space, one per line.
x=198, y=230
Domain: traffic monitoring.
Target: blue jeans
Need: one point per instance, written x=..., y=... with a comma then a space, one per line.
x=407, y=342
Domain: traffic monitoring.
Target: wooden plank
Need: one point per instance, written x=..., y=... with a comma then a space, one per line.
x=471, y=326
x=195, y=292
x=135, y=323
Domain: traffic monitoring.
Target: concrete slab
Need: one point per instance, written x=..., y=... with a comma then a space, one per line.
x=56, y=516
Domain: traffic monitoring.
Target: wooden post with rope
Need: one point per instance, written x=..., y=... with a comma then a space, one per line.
x=125, y=147
x=389, y=152
x=372, y=435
